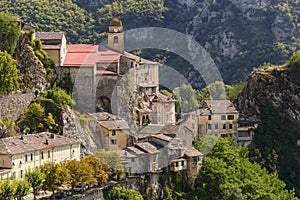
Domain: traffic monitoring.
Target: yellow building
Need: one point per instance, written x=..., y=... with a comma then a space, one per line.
x=216, y=117
x=115, y=134
x=19, y=153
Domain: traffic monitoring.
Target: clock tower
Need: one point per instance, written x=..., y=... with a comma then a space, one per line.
x=116, y=35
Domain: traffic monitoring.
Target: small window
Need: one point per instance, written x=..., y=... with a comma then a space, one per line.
x=113, y=141
x=216, y=126
x=208, y=126
x=26, y=158
x=31, y=157
x=49, y=154
x=209, y=117
x=116, y=39
x=223, y=117
x=42, y=155
x=113, y=133
x=224, y=126
x=230, y=117
x=21, y=174
x=230, y=126
x=182, y=163
x=167, y=108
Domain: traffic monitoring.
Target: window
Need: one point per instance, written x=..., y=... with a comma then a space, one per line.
x=182, y=163
x=49, y=154
x=167, y=108
x=230, y=117
x=224, y=126
x=116, y=39
x=42, y=155
x=244, y=134
x=216, y=126
x=26, y=158
x=13, y=160
x=223, y=117
x=31, y=157
x=113, y=133
x=113, y=141
x=230, y=126
x=21, y=174
x=209, y=117
x=208, y=126
x=167, y=118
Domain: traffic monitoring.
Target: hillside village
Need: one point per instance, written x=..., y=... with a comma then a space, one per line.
x=118, y=92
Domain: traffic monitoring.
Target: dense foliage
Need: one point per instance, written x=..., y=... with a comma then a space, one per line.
x=9, y=32
x=227, y=173
x=9, y=77
x=123, y=193
x=294, y=62
x=276, y=133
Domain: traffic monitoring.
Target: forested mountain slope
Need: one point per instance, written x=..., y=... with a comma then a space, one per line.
x=239, y=34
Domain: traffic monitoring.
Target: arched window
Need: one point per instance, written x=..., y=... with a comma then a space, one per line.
x=116, y=39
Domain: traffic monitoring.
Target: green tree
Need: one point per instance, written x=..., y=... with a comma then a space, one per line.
x=294, y=62
x=36, y=179
x=9, y=33
x=227, y=173
x=186, y=97
x=100, y=169
x=7, y=190
x=59, y=96
x=111, y=158
x=55, y=176
x=9, y=78
x=80, y=172
x=22, y=188
x=122, y=193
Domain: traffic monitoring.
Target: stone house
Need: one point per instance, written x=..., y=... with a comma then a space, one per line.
x=216, y=117
x=162, y=147
x=19, y=153
x=245, y=132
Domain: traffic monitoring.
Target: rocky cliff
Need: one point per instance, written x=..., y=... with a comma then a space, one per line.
x=277, y=86
x=32, y=72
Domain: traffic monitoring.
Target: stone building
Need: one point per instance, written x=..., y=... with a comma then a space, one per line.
x=216, y=117
x=106, y=73
x=19, y=153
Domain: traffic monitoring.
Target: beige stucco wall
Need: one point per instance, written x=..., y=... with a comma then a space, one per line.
x=121, y=138
x=163, y=113
x=19, y=165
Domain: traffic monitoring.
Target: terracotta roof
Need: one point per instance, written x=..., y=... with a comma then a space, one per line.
x=33, y=142
x=81, y=55
x=147, y=146
x=114, y=124
x=79, y=48
x=49, y=35
x=106, y=55
x=192, y=152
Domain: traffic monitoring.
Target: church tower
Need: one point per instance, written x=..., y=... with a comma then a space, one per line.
x=116, y=35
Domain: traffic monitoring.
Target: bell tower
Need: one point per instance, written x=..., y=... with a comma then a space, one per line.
x=116, y=35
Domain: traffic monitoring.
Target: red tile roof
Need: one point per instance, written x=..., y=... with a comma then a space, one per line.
x=81, y=55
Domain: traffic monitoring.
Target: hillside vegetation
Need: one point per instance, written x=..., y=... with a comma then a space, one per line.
x=239, y=35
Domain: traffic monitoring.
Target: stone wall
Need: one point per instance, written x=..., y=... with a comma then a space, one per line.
x=92, y=194
x=14, y=105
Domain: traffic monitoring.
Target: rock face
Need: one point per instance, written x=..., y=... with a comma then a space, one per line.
x=73, y=129
x=277, y=86
x=12, y=106
x=33, y=74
